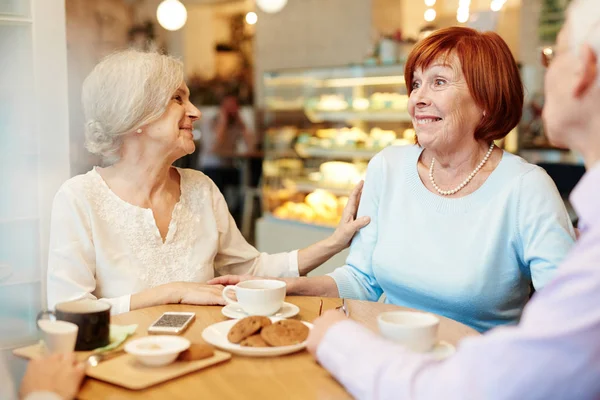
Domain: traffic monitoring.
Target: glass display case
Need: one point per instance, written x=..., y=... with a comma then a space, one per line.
x=322, y=126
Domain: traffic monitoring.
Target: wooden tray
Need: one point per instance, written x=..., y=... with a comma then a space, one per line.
x=125, y=371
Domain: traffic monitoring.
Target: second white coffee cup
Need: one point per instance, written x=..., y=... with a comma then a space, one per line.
x=414, y=330
x=58, y=336
x=257, y=297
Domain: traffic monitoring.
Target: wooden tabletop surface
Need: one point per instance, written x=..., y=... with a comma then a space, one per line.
x=295, y=376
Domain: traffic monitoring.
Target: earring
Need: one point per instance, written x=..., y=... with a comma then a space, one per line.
x=139, y=130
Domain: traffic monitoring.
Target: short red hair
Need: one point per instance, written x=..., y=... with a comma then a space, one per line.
x=490, y=71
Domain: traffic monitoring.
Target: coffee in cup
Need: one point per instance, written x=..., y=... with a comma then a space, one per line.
x=258, y=297
x=414, y=330
x=91, y=316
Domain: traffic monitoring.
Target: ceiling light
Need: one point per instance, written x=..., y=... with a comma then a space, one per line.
x=251, y=18
x=429, y=14
x=271, y=6
x=171, y=14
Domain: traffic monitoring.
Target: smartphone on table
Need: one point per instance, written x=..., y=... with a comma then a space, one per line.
x=172, y=323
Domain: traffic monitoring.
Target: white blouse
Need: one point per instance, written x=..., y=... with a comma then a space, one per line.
x=102, y=247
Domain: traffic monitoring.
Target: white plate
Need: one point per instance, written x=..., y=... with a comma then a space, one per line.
x=287, y=310
x=442, y=350
x=216, y=334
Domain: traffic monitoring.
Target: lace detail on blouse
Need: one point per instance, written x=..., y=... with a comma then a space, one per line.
x=152, y=261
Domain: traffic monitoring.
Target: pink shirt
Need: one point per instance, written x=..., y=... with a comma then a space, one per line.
x=554, y=352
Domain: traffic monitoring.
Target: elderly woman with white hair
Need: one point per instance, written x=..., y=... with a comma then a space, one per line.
x=141, y=232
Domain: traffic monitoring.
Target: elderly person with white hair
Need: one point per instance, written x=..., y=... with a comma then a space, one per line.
x=554, y=353
x=141, y=232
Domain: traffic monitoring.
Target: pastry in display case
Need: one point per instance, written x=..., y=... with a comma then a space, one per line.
x=322, y=126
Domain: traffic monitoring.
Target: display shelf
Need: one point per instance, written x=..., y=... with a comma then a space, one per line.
x=332, y=153
x=270, y=217
x=349, y=115
x=305, y=185
x=367, y=116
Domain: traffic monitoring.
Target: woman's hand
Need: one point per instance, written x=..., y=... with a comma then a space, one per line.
x=321, y=326
x=349, y=224
x=198, y=294
x=227, y=280
x=59, y=373
x=316, y=254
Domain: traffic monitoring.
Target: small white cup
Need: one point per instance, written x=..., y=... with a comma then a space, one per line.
x=414, y=330
x=258, y=297
x=58, y=336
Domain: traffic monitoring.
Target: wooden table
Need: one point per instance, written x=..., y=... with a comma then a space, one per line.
x=295, y=376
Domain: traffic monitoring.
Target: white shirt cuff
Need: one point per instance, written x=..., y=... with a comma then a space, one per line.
x=293, y=271
x=119, y=305
x=43, y=396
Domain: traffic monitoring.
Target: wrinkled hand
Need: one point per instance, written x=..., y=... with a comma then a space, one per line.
x=320, y=327
x=199, y=294
x=349, y=224
x=59, y=373
x=227, y=280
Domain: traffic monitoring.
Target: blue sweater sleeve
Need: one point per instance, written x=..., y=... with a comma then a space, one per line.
x=544, y=226
x=356, y=280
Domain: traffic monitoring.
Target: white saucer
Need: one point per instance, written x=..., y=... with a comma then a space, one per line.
x=442, y=350
x=216, y=334
x=234, y=311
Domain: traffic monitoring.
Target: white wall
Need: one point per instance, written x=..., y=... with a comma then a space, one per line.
x=206, y=26
x=387, y=16
x=199, y=42
x=146, y=10
x=311, y=33
x=411, y=17
x=34, y=154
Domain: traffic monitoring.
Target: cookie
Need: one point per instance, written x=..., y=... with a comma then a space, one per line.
x=196, y=351
x=285, y=333
x=247, y=327
x=254, y=341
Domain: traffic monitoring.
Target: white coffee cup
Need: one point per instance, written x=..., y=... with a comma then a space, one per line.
x=58, y=336
x=257, y=297
x=414, y=330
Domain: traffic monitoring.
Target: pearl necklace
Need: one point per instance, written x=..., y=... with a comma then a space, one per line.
x=465, y=182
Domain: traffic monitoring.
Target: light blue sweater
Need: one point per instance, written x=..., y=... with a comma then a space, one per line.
x=471, y=258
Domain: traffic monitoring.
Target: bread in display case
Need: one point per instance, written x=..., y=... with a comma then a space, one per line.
x=322, y=126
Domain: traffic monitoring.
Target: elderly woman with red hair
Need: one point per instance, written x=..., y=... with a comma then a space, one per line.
x=458, y=227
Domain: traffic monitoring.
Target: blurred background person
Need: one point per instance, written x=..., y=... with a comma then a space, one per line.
x=227, y=135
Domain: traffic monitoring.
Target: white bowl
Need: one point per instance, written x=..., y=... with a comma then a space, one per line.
x=156, y=351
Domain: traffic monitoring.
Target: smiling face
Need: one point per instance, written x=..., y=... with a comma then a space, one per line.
x=443, y=111
x=172, y=132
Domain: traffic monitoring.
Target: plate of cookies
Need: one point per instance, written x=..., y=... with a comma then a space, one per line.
x=258, y=336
